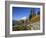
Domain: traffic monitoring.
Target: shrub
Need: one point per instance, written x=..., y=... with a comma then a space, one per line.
x=21, y=27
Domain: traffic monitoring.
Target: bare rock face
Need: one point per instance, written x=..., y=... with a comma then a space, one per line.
x=36, y=26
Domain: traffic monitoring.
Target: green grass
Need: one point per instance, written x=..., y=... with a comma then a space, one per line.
x=21, y=27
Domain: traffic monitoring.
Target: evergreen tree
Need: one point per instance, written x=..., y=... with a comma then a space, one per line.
x=38, y=12
x=30, y=16
x=33, y=12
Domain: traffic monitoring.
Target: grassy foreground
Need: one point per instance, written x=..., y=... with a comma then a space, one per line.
x=21, y=27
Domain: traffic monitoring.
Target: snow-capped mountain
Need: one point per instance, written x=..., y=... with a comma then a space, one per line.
x=23, y=18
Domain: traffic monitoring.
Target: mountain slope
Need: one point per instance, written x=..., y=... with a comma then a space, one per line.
x=35, y=19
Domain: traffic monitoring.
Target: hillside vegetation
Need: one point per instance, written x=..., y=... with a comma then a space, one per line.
x=35, y=19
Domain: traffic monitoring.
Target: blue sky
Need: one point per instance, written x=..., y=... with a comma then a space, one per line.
x=19, y=12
